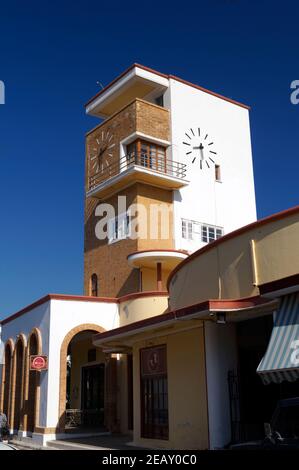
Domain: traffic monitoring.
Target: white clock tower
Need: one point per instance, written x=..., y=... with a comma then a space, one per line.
x=211, y=134
x=169, y=142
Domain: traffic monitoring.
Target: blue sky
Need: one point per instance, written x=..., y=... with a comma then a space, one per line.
x=51, y=55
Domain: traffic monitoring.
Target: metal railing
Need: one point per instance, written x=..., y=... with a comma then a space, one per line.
x=154, y=163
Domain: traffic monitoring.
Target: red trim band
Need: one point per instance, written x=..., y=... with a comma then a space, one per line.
x=208, y=305
x=82, y=298
x=49, y=297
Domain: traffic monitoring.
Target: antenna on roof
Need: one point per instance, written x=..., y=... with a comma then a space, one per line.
x=100, y=84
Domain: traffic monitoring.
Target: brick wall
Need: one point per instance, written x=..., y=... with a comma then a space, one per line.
x=109, y=262
x=152, y=120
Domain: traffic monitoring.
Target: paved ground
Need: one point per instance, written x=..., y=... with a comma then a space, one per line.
x=118, y=442
x=6, y=446
x=108, y=442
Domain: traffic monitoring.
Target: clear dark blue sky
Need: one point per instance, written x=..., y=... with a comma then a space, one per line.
x=51, y=55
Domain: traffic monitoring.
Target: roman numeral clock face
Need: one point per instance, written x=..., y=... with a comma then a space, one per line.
x=199, y=148
x=101, y=152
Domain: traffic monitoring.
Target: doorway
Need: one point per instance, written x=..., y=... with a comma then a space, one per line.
x=92, y=395
x=84, y=384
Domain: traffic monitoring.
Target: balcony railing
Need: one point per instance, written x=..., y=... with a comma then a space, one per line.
x=155, y=164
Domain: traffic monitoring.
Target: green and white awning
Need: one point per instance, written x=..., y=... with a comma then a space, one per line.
x=281, y=361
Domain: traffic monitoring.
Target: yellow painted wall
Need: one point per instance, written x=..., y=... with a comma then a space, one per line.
x=123, y=395
x=188, y=419
x=226, y=270
x=79, y=359
x=277, y=252
x=141, y=307
x=156, y=223
x=149, y=279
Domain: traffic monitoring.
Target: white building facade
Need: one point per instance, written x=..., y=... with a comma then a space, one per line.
x=194, y=156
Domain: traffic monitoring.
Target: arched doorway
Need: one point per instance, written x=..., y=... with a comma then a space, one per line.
x=82, y=380
x=33, y=376
x=7, y=377
x=18, y=388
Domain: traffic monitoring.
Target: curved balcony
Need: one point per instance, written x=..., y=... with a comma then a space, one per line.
x=141, y=305
x=150, y=258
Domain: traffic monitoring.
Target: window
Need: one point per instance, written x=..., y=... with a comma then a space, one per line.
x=118, y=228
x=187, y=229
x=94, y=285
x=192, y=230
x=147, y=154
x=210, y=233
x=217, y=173
x=154, y=392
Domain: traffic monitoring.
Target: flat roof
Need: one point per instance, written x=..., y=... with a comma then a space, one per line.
x=167, y=76
x=48, y=297
x=82, y=298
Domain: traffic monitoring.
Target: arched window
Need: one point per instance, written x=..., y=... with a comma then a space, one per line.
x=94, y=285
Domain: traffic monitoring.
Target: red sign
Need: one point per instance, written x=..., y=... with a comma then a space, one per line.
x=38, y=362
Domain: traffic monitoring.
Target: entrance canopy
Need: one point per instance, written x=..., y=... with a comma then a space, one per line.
x=121, y=339
x=281, y=361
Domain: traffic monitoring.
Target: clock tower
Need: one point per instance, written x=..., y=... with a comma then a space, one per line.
x=168, y=170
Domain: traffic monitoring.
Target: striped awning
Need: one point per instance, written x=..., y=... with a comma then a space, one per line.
x=281, y=361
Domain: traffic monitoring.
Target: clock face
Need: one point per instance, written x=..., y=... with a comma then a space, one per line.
x=101, y=152
x=199, y=147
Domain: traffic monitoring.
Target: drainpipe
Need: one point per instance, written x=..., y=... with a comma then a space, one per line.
x=254, y=263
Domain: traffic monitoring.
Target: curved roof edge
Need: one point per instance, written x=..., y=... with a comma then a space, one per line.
x=235, y=233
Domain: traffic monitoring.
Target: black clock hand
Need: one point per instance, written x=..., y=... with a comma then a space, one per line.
x=200, y=148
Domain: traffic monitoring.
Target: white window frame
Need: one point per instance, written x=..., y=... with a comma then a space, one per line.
x=119, y=228
x=197, y=231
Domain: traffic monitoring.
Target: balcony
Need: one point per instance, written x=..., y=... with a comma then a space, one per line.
x=156, y=171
